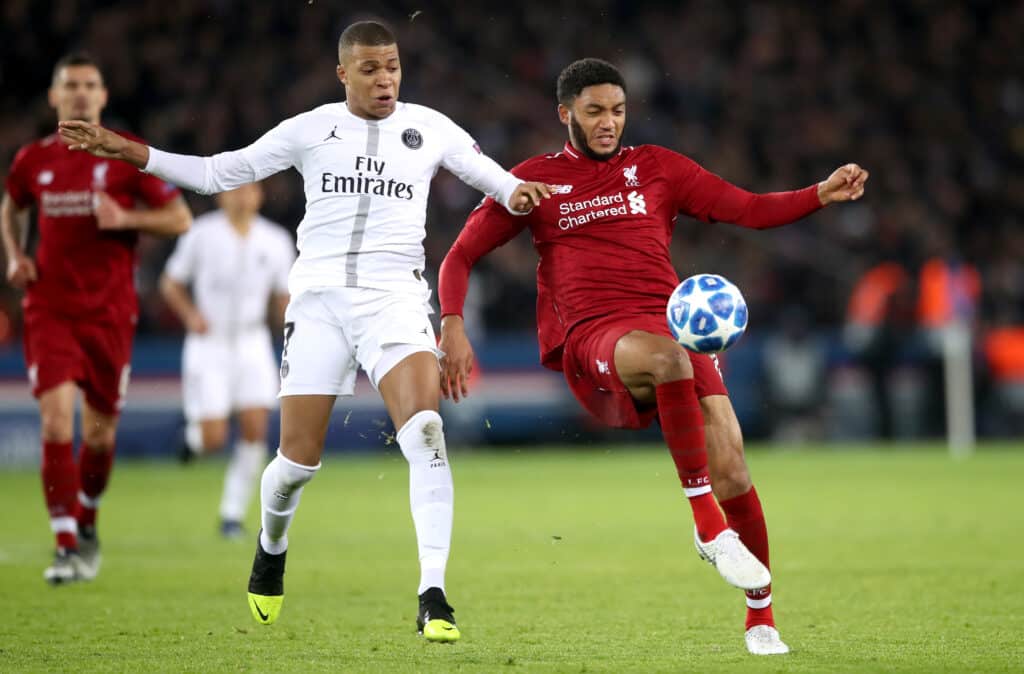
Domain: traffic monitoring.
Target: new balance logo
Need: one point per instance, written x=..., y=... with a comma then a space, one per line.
x=560, y=189
x=332, y=134
x=637, y=203
x=630, y=175
x=602, y=366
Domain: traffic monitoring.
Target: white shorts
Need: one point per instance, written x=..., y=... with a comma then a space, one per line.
x=223, y=374
x=331, y=332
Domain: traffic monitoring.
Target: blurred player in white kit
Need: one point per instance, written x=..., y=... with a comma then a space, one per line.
x=236, y=263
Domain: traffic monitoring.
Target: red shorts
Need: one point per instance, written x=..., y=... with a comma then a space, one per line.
x=588, y=363
x=95, y=354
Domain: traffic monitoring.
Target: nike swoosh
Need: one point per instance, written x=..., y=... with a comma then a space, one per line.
x=448, y=628
x=263, y=616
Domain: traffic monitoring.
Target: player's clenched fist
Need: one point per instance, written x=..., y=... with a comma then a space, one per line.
x=845, y=184
x=109, y=214
x=21, y=271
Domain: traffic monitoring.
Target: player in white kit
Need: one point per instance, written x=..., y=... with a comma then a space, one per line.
x=358, y=298
x=237, y=265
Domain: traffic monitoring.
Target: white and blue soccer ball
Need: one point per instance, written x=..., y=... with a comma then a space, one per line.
x=706, y=313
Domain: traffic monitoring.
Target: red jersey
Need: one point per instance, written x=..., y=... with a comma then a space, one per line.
x=82, y=271
x=603, y=237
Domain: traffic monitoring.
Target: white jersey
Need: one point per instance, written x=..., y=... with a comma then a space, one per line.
x=232, y=276
x=366, y=184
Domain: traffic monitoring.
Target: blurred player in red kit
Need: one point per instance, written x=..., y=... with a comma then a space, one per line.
x=604, y=277
x=80, y=306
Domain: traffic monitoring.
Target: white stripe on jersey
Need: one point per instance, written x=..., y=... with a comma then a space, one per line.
x=366, y=184
x=362, y=213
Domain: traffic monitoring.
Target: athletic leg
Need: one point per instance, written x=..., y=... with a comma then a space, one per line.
x=206, y=376
x=304, y=420
x=731, y=482
x=60, y=478
x=411, y=392
x=317, y=365
x=244, y=468
x=657, y=371
x=95, y=463
x=95, y=460
x=412, y=400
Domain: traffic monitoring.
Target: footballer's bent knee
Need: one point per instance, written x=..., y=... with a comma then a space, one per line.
x=670, y=364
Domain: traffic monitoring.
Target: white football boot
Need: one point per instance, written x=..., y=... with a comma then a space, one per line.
x=88, y=553
x=67, y=567
x=737, y=565
x=765, y=640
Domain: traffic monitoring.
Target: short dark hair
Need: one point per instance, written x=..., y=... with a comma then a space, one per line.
x=367, y=33
x=75, y=58
x=584, y=73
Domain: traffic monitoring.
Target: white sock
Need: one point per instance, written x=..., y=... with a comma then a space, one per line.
x=280, y=491
x=194, y=437
x=243, y=472
x=87, y=501
x=431, y=495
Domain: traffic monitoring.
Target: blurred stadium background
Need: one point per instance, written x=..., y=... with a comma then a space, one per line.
x=849, y=308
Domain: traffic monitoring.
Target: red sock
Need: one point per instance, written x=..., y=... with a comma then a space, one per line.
x=746, y=518
x=60, y=488
x=93, y=472
x=682, y=426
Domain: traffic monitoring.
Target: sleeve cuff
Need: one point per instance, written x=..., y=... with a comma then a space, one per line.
x=506, y=194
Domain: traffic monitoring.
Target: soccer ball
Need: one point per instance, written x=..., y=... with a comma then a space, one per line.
x=706, y=313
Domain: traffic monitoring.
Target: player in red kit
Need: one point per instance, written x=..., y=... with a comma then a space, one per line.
x=603, y=281
x=80, y=305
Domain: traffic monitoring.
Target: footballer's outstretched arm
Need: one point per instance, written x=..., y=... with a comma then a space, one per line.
x=488, y=227
x=269, y=154
x=462, y=156
x=712, y=199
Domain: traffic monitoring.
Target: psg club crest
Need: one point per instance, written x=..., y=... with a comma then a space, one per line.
x=412, y=139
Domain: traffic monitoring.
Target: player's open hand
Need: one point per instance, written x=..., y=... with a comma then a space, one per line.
x=528, y=196
x=92, y=138
x=457, y=362
x=845, y=184
x=109, y=214
x=21, y=271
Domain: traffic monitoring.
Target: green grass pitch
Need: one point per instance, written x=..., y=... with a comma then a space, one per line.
x=575, y=560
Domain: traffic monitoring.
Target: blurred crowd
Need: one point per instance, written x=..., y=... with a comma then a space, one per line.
x=927, y=94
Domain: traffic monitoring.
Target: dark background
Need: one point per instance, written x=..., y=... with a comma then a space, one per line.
x=928, y=95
